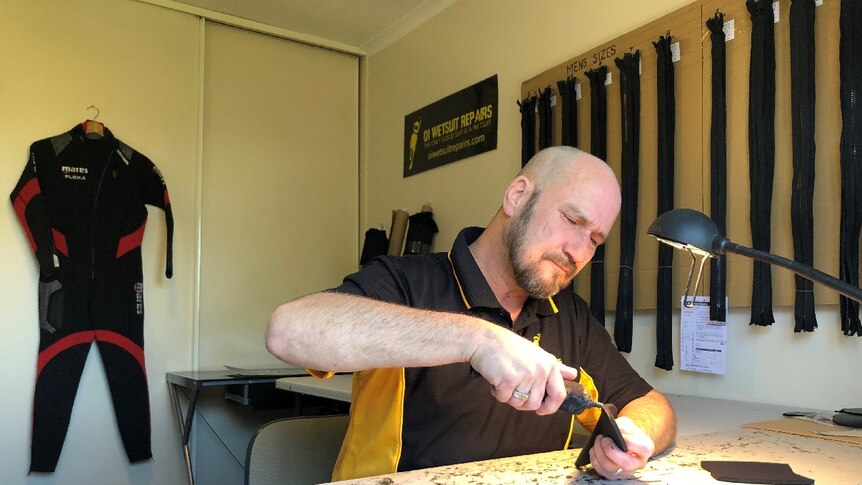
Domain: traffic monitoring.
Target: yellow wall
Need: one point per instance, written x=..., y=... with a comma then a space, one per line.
x=517, y=40
x=238, y=123
x=139, y=65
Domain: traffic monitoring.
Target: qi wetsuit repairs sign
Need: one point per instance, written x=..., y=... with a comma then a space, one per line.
x=458, y=126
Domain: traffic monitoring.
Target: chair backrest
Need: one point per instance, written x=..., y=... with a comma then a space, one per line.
x=295, y=451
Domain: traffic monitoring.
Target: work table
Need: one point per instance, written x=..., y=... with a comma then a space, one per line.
x=709, y=430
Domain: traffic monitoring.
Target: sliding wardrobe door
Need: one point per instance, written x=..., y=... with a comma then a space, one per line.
x=279, y=187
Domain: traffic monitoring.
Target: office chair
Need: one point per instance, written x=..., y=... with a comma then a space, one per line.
x=295, y=451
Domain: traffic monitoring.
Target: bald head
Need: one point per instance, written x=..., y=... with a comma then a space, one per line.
x=555, y=164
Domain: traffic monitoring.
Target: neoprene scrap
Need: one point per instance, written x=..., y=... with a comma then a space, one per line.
x=754, y=472
x=629, y=66
x=665, y=183
x=718, y=165
x=599, y=148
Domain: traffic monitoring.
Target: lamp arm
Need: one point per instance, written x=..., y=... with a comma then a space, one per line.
x=803, y=270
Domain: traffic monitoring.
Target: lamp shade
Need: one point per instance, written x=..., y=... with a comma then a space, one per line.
x=688, y=228
x=695, y=232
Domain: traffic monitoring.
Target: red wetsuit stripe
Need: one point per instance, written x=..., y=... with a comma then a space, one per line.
x=64, y=343
x=30, y=190
x=124, y=343
x=167, y=198
x=60, y=242
x=131, y=241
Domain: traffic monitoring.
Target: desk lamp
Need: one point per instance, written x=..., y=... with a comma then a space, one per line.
x=694, y=232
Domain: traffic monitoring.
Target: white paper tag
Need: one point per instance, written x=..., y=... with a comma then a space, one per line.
x=702, y=342
x=674, y=52
x=578, y=91
x=553, y=100
x=729, y=30
x=609, y=79
x=818, y=3
x=775, y=12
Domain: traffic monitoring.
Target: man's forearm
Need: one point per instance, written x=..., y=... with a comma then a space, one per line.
x=339, y=332
x=653, y=414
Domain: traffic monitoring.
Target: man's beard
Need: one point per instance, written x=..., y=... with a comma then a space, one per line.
x=528, y=277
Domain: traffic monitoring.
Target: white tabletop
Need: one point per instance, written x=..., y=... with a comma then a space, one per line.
x=710, y=429
x=337, y=387
x=824, y=461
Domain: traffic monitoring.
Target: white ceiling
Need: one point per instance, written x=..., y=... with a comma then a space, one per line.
x=368, y=25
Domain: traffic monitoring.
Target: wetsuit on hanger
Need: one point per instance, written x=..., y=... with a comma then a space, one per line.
x=81, y=203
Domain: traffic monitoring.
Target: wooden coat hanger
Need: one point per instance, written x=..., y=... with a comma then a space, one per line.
x=92, y=128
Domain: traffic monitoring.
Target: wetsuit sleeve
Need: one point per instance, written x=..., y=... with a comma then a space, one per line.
x=30, y=208
x=155, y=193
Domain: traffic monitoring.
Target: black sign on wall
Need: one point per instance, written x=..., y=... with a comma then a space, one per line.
x=458, y=126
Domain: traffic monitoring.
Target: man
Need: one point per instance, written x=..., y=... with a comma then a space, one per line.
x=419, y=331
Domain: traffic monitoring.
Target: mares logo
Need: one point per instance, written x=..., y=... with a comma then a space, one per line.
x=74, y=173
x=139, y=298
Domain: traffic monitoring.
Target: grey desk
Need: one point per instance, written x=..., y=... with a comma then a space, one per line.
x=825, y=461
x=195, y=381
x=337, y=387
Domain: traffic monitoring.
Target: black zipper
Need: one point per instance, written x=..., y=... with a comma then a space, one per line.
x=93, y=219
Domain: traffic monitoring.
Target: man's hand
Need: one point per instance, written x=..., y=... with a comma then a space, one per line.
x=512, y=363
x=608, y=460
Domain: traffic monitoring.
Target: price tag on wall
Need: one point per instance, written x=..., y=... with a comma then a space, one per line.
x=674, y=52
x=729, y=29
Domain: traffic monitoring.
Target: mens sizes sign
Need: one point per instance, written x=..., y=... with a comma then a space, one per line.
x=458, y=126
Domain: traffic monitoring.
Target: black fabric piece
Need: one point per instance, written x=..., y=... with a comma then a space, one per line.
x=630, y=113
x=850, y=60
x=420, y=233
x=599, y=148
x=802, y=96
x=761, y=151
x=666, y=103
x=569, y=118
x=528, y=128
x=606, y=426
x=754, y=472
x=848, y=419
x=376, y=244
x=718, y=165
x=546, y=119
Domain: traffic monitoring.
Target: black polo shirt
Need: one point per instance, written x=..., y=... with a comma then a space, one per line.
x=409, y=418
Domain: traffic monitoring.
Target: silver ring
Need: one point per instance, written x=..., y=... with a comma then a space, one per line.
x=520, y=396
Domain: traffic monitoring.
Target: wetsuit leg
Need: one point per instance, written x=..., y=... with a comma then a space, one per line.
x=123, y=357
x=61, y=361
x=119, y=318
